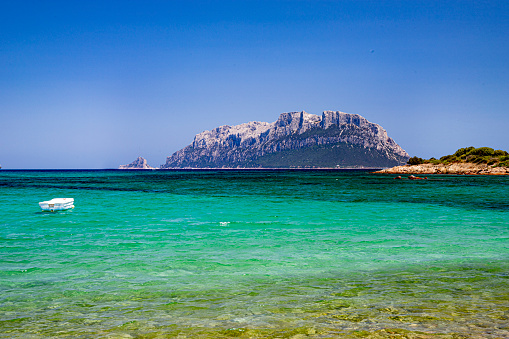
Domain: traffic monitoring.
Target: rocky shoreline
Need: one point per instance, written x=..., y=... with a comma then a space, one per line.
x=454, y=168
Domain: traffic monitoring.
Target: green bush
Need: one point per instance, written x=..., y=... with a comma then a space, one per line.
x=463, y=151
x=481, y=159
x=482, y=151
x=415, y=161
x=432, y=161
x=449, y=159
x=481, y=155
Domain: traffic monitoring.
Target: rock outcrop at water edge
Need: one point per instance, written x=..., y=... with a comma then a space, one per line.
x=139, y=163
x=454, y=168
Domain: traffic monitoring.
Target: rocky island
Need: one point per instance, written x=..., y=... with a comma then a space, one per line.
x=465, y=161
x=139, y=163
x=296, y=140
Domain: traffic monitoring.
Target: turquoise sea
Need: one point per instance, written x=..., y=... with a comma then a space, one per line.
x=253, y=254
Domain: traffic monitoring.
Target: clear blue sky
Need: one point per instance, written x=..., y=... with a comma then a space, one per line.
x=94, y=84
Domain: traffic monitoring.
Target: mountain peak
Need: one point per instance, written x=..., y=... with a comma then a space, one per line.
x=334, y=139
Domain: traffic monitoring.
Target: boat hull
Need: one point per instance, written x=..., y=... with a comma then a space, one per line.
x=57, y=204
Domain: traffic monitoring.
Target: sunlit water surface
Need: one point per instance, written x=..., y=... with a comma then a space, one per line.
x=260, y=254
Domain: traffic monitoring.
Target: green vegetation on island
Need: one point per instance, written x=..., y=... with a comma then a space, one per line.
x=481, y=155
x=339, y=155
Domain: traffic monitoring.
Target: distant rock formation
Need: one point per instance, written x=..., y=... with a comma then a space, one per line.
x=454, y=168
x=296, y=139
x=139, y=163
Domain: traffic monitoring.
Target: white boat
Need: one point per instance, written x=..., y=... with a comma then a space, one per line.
x=57, y=204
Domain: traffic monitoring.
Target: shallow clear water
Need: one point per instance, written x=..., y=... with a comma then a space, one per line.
x=257, y=254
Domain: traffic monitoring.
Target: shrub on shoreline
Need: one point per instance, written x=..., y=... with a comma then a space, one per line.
x=481, y=155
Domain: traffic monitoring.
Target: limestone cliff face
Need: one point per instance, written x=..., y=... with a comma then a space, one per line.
x=139, y=163
x=296, y=135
